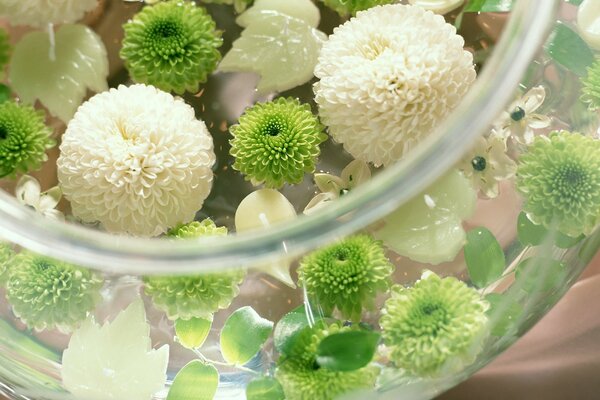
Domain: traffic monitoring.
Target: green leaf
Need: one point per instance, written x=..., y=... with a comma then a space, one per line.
x=192, y=333
x=529, y=233
x=484, y=257
x=265, y=388
x=575, y=2
x=243, y=335
x=59, y=79
x=347, y=351
x=503, y=314
x=4, y=93
x=540, y=274
x=288, y=329
x=566, y=242
x=489, y=6
x=568, y=49
x=195, y=381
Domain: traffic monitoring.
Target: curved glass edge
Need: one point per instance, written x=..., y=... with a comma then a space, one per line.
x=521, y=40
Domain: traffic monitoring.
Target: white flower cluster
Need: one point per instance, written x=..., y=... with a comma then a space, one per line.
x=387, y=79
x=137, y=160
x=40, y=13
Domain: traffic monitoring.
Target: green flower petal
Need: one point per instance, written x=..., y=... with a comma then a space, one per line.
x=303, y=379
x=590, y=90
x=559, y=176
x=277, y=142
x=347, y=275
x=172, y=45
x=351, y=7
x=199, y=296
x=24, y=139
x=6, y=253
x=435, y=326
x=47, y=294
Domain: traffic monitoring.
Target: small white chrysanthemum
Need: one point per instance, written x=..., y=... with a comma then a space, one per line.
x=487, y=164
x=29, y=193
x=387, y=79
x=136, y=160
x=40, y=13
x=520, y=121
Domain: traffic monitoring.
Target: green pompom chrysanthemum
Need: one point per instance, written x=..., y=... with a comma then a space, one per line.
x=303, y=379
x=47, y=294
x=277, y=142
x=351, y=7
x=4, y=51
x=24, y=139
x=347, y=275
x=436, y=325
x=559, y=176
x=197, y=229
x=172, y=45
x=199, y=296
x=590, y=90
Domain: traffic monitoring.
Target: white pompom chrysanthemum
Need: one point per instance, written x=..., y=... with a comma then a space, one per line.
x=136, y=160
x=40, y=13
x=388, y=77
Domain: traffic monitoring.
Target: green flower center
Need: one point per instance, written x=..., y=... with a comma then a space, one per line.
x=3, y=132
x=570, y=181
x=273, y=126
x=518, y=114
x=166, y=38
x=429, y=317
x=479, y=163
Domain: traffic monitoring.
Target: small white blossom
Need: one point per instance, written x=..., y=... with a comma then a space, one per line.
x=520, y=121
x=29, y=193
x=388, y=78
x=332, y=187
x=488, y=164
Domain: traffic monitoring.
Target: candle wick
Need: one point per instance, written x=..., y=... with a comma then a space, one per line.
x=52, y=50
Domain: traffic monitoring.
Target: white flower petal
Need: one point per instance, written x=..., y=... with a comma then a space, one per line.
x=28, y=191
x=533, y=99
x=319, y=201
x=329, y=183
x=356, y=173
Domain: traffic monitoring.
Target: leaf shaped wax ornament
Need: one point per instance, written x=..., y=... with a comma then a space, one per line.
x=281, y=45
x=428, y=229
x=59, y=77
x=115, y=361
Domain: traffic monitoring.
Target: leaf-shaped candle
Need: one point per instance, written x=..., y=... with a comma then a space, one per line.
x=282, y=45
x=59, y=75
x=428, y=229
x=115, y=361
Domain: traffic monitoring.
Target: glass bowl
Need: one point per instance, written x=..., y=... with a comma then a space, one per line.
x=449, y=277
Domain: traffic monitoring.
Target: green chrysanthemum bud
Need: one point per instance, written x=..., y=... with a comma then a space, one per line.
x=172, y=45
x=559, y=176
x=199, y=296
x=347, y=275
x=303, y=379
x=277, y=142
x=24, y=139
x=351, y=7
x=437, y=325
x=47, y=294
x=4, y=51
x=590, y=90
